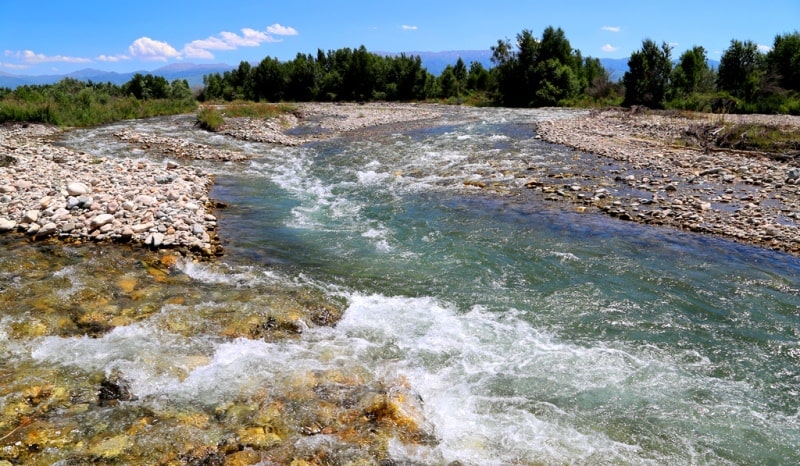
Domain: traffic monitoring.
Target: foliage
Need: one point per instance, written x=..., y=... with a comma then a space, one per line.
x=209, y=118
x=71, y=102
x=740, y=69
x=783, y=61
x=257, y=109
x=768, y=138
x=691, y=73
x=648, y=75
x=338, y=75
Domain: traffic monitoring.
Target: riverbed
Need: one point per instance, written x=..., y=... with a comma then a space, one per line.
x=397, y=294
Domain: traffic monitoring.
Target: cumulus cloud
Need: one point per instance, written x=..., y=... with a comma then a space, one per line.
x=113, y=58
x=611, y=28
x=409, y=28
x=279, y=30
x=764, y=48
x=231, y=41
x=146, y=48
x=609, y=48
x=31, y=58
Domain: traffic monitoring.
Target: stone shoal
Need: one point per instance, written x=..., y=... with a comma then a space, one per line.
x=647, y=171
x=47, y=190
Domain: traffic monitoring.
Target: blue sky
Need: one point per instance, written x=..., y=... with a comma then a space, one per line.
x=59, y=36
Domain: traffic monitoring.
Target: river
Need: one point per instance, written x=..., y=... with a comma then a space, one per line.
x=511, y=330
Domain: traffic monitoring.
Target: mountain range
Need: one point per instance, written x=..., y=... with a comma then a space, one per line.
x=435, y=62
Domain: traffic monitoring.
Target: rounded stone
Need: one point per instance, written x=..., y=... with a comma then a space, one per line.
x=7, y=225
x=78, y=189
x=100, y=220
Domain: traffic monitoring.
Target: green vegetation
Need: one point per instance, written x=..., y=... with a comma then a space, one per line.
x=77, y=103
x=764, y=138
x=531, y=72
x=209, y=118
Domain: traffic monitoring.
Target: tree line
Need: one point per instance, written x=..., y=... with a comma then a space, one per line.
x=747, y=80
x=528, y=72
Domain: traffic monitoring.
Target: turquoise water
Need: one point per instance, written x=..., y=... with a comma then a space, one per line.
x=531, y=333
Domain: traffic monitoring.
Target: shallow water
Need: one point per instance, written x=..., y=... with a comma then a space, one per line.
x=500, y=329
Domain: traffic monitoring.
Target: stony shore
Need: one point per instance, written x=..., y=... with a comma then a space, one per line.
x=51, y=191
x=646, y=167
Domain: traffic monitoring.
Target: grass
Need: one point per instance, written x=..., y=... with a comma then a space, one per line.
x=256, y=109
x=757, y=137
x=211, y=117
x=88, y=112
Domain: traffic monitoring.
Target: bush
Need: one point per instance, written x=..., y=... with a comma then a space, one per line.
x=209, y=118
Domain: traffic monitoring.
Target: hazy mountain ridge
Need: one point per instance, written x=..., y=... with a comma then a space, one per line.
x=191, y=72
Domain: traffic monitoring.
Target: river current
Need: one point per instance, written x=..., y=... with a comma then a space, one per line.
x=529, y=333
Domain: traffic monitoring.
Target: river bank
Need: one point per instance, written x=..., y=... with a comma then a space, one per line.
x=650, y=167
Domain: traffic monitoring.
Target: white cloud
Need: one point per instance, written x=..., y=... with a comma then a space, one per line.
x=279, y=30
x=149, y=49
x=225, y=40
x=13, y=66
x=409, y=28
x=609, y=48
x=32, y=58
x=611, y=28
x=113, y=58
x=192, y=51
x=673, y=44
x=764, y=48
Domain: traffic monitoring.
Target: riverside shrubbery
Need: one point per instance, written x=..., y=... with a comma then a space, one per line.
x=71, y=102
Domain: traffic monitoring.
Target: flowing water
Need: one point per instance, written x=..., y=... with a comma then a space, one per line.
x=524, y=333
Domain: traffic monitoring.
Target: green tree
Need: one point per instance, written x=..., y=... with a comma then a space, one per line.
x=648, y=74
x=460, y=74
x=302, y=78
x=597, y=78
x=691, y=73
x=538, y=72
x=478, y=77
x=269, y=80
x=784, y=60
x=740, y=70
x=179, y=90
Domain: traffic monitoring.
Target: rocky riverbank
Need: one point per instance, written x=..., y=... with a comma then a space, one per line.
x=51, y=191
x=650, y=167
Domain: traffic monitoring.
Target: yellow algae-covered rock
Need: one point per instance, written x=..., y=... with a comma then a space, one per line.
x=245, y=457
x=110, y=447
x=197, y=420
x=29, y=329
x=257, y=437
x=126, y=284
x=169, y=260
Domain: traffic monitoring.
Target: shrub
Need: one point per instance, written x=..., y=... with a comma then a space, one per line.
x=209, y=118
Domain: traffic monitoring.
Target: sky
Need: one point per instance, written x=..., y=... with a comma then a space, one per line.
x=59, y=36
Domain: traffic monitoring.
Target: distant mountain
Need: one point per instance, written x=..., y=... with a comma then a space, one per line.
x=436, y=62
x=189, y=71
x=617, y=67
